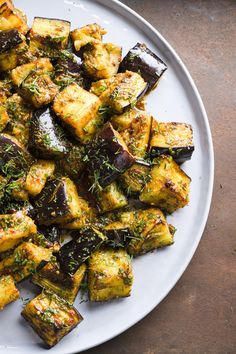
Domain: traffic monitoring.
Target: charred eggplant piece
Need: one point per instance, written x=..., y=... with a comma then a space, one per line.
x=117, y=235
x=108, y=157
x=168, y=186
x=14, y=228
x=52, y=278
x=59, y=202
x=110, y=275
x=175, y=139
x=15, y=160
x=91, y=33
x=101, y=60
x=125, y=90
x=135, y=127
x=38, y=174
x=9, y=39
x=75, y=252
x=111, y=198
x=48, y=139
x=51, y=317
x=48, y=34
x=77, y=109
x=13, y=48
x=24, y=261
x=48, y=237
x=73, y=165
x=142, y=60
x=69, y=70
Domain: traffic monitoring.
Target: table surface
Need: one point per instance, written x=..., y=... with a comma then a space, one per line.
x=199, y=314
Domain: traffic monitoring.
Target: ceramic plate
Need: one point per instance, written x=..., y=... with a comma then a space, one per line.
x=175, y=99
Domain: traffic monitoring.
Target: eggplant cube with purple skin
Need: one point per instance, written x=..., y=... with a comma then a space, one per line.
x=124, y=91
x=49, y=33
x=51, y=317
x=12, y=46
x=142, y=60
x=108, y=157
x=175, y=139
x=59, y=202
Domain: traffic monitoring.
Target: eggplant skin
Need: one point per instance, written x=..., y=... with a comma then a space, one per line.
x=47, y=138
x=179, y=154
x=108, y=156
x=50, y=232
x=142, y=60
x=75, y=252
x=9, y=39
x=14, y=159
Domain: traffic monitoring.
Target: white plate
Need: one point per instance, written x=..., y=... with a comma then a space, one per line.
x=175, y=99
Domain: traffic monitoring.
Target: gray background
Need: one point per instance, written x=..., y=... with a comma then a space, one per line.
x=199, y=315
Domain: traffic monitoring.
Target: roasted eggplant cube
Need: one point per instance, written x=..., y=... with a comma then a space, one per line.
x=39, y=66
x=134, y=179
x=75, y=252
x=168, y=187
x=24, y=261
x=52, y=278
x=13, y=229
x=108, y=157
x=8, y=291
x=51, y=317
x=125, y=93
x=111, y=198
x=12, y=46
x=58, y=202
x=73, y=164
x=117, y=234
x=76, y=108
x=135, y=127
x=12, y=18
x=91, y=33
x=69, y=70
x=37, y=176
x=9, y=39
x=49, y=33
x=101, y=60
x=175, y=139
x=110, y=275
x=48, y=139
x=15, y=160
x=149, y=230
x=19, y=113
x=48, y=237
x=39, y=90
x=142, y=60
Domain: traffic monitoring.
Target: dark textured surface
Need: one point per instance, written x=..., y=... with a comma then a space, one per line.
x=199, y=314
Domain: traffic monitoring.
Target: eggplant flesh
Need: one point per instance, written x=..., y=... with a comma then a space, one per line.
x=142, y=60
x=9, y=39
x=75, y=252
x=179, y=154
x=48, y=140
x=108, y=156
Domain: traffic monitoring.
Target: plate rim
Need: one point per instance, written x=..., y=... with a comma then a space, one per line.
x=118, y=4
